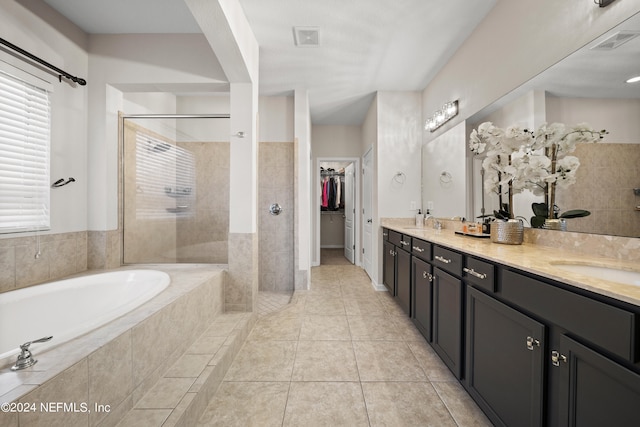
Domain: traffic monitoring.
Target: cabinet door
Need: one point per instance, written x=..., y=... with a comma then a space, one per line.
x=504, y=361
x=389, y=267
x=403, y=280
x=447, y=320
x=597, y=391
x=421, y=284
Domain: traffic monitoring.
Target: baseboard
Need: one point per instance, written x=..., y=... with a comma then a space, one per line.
x=379, y=287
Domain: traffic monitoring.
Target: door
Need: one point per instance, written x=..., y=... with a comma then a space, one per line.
x=447, y=320
x=403, y=280
x=422, y=281
x=505, y=361
x=349, y=213
x=367, y=212
x=389, y=267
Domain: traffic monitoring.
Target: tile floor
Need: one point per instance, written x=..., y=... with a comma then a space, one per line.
x=339, y=354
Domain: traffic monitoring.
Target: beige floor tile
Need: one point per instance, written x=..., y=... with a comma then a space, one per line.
x=325, y=404
x=390, y=305
x=373, y=328
x=363, y=307
x=206, y=345
x=247, y=404
x=405, y=404
x=463, y=409
x=320, y=304
x=165, y=394
x=430, y=362
x=317, y=327
x=406, y=329
x=220, y=329
x=145, y=417
x=325, y=361
x=387, y=361
x=277, y=328
x=263, y=361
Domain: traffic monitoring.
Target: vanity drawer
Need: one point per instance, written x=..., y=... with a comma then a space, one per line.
x=480, y=273
x=421, y=249
x=395, y=237
x=385, y=234
x=447, y=260
x=604, y=325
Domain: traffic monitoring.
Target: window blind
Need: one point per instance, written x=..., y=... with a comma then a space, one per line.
x=24, y=155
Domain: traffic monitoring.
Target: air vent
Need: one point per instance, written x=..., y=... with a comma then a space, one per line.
x=306, y=36
x=616, y=40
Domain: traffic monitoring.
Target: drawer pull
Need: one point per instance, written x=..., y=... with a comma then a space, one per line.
x=426, y=275
x=442, y=259
x=556, y=358
x=531, y=342
x=417, y=249
x=474, y=273
x=404, y=243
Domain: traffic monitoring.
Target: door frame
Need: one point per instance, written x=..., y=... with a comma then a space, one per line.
x=356, y=203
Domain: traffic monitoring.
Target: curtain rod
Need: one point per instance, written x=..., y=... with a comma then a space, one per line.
x=61, y=73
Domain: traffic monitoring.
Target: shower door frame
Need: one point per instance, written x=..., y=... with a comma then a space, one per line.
x=121, y=169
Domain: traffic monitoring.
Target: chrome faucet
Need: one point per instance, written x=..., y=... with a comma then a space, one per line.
x=436, y=223
x=25, y=359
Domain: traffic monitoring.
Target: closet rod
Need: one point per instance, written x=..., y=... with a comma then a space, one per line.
x=61, y=73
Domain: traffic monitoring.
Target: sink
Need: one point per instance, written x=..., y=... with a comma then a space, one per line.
x=611, y=274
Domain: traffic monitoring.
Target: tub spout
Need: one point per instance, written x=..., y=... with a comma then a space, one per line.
x=25, y=359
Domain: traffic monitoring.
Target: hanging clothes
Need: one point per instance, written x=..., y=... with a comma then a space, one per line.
x=325, y=194
x=338, y=193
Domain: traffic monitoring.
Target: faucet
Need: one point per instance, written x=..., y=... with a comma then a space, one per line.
x=25, y=359
x=436, y=223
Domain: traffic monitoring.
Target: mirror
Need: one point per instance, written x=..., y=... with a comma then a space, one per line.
x=587, y=86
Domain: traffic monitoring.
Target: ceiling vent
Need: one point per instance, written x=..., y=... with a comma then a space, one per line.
x=306, y=36
x=616, y=40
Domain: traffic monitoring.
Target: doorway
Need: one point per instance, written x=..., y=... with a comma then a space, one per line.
x=337, y=219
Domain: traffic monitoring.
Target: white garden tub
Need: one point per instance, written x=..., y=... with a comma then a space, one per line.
x=69, y=308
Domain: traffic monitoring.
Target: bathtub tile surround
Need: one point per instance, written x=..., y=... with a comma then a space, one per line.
x=60, y=255
x=120, y=362
x=104, y=249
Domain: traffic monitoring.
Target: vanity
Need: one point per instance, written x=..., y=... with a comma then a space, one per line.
x=537, y=335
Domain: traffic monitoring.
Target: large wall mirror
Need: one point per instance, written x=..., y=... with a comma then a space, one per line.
x=587, y=86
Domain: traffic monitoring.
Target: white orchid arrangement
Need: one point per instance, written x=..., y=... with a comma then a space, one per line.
x=518, y=158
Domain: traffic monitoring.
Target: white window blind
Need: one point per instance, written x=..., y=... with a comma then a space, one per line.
x=24, y=155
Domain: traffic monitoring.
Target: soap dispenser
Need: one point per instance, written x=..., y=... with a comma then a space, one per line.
x=419, y=219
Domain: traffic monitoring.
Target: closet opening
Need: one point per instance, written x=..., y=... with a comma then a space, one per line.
x=338, y=230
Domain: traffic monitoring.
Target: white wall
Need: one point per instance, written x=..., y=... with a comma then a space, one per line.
x=276, y=119
x=446, y=154
x=68, y=105
x=304, y=204
x=620, y=117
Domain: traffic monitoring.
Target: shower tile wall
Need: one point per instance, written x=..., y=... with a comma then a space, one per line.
x=604, y=186
x=276, y=184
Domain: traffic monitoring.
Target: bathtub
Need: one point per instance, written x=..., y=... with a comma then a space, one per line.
x=69, y=308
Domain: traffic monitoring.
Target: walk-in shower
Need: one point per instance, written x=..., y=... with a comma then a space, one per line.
x=176, y=189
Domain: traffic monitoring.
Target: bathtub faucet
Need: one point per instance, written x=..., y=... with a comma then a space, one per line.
x=25, y=359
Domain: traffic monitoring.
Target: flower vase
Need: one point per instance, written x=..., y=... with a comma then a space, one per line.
x=555, y=224
x=509, y=232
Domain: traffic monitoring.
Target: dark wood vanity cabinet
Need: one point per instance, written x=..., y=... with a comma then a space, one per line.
x=529, y=350
x=389, y=266
x=403, y=279
x=422, y=288
x=448, y=308
x=504, y=361
x=397, y=267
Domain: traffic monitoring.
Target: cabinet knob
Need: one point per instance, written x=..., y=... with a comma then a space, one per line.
x=392, y=253
x=556, y=358
x=426, y=275
x=531, y=342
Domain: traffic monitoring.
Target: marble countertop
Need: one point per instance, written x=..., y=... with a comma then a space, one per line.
x=539, y=260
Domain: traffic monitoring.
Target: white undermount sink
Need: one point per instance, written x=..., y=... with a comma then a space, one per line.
x=606, y=273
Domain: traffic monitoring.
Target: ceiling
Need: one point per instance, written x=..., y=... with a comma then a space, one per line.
x=365, y=45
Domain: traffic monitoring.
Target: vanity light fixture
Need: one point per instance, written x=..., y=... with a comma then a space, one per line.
x=634, y=79
x=603, y=3
x=443, y=115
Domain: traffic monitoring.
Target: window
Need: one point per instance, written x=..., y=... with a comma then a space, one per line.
x=24, y=155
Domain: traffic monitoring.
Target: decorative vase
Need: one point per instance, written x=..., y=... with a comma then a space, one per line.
x=509, y=232
x=555, y=224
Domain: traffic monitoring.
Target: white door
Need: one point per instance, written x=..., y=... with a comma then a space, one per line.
x=367, y=212
x=349, y=213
